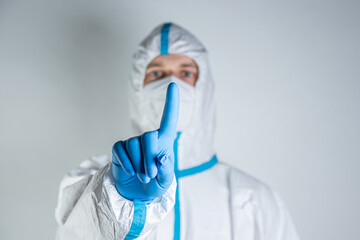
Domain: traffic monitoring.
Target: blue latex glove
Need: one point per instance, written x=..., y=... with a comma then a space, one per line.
x=143, y=166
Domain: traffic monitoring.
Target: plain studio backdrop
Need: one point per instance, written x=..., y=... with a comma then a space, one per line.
x=287, y=87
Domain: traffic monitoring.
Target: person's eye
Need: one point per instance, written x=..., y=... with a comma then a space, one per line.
x=156, y=74
x=187, y=74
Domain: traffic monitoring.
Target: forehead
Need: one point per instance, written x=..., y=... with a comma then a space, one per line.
x=171, y=60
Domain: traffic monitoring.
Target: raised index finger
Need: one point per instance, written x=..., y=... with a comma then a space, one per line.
x=171, y=111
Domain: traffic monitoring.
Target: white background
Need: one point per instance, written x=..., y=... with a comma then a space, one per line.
x=287, y=83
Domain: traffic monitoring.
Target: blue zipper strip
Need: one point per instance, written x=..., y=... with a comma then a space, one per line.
x=184, y=173
x=177, y=200
x=138, y=221
x=164, y=44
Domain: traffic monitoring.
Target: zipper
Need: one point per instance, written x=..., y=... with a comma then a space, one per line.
x=177, y=198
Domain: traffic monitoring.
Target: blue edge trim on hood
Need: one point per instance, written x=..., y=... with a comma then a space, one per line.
x=139, y=218
x=164, y=42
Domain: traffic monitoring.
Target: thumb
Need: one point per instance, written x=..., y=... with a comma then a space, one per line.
x=165, y=174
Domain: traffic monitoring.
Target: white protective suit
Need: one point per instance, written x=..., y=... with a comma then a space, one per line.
x=208, y=200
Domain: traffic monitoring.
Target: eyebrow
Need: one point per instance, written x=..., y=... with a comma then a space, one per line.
x=188, y=65
x=185, y=65
x=155, y=65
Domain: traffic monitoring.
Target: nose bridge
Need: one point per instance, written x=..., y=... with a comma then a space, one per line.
x=169, y=72
x=172, y=70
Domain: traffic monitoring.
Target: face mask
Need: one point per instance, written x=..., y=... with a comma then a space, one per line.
x=154, y=100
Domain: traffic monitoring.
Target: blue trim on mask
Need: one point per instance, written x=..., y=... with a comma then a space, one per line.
x=138, y=221
x=202, y=167
x=164, y=44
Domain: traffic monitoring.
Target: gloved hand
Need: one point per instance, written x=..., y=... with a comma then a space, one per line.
x=143, y=166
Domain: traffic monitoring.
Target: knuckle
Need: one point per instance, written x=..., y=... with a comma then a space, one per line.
x=117, y=145
x=133, y=141
x=146, y=135
x=149, y=135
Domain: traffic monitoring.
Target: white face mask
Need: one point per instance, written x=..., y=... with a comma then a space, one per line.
x=154, y=101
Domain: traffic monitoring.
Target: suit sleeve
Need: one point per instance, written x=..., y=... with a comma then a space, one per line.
x=276, y=218
x=89, y=206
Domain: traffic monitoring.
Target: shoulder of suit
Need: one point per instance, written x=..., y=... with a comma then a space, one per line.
x=244, y=184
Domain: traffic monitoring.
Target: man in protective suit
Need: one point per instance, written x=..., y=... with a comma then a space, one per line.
x=166, y=182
